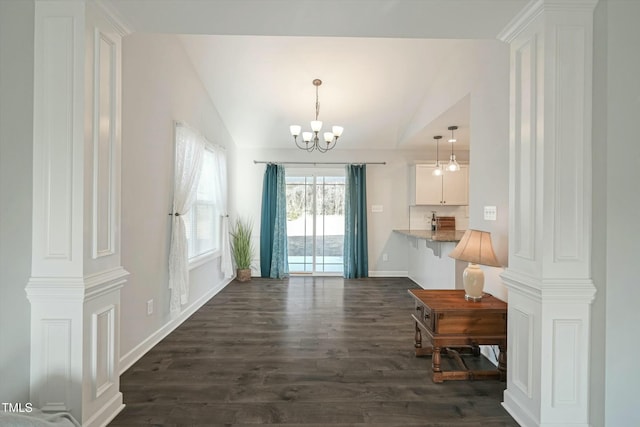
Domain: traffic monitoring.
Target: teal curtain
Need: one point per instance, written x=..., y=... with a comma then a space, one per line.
x=273, y=224
x=269, y=189
x=356, y=257
x=280, y=251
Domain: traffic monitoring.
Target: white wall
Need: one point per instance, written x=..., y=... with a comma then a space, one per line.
x=159, y=86
x=489, y=156
x=622, y=207
x=16, y=152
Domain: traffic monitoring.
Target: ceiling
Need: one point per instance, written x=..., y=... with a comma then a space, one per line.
x=387, y=66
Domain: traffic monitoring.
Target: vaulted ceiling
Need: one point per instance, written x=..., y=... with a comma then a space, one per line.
x=385, y=64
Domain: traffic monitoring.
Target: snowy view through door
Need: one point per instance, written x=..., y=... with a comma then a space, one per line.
x=315, y=223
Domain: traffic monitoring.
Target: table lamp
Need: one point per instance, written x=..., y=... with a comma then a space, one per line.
x=475, y=248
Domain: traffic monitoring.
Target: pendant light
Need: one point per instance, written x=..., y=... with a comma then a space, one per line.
x=438, y=170
x=453, y=165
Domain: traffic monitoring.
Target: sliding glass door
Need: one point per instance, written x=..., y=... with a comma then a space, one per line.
x=315, y=221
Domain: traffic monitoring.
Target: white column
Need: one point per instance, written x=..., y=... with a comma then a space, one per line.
x=76, y=276
x=549, y=273
x=56, y=287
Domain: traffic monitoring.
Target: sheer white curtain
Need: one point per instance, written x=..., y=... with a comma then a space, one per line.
x=221, y=191
x=188, y=163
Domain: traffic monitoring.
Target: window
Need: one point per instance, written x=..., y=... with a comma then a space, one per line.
x=203, y=220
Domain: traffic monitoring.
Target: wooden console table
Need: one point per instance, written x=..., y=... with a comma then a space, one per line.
x=453, y=325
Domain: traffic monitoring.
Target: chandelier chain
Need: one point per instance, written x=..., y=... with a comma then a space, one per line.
x=317, y=104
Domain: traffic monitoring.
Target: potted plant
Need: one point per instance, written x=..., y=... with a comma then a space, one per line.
x=242, y=248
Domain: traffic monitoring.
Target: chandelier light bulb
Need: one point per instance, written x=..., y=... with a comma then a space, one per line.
x=295, y=130
x=437, y=171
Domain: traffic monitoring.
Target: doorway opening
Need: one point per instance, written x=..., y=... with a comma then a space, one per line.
x=315, y=221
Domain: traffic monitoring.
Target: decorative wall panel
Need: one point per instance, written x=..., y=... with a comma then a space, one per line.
x=569, y=144
x=56, y=364
x=58, y=141
x=566, y=378
x=521, y=325
x=57, y=122
x=102, y=350
x=104, y=144
x=524, y=149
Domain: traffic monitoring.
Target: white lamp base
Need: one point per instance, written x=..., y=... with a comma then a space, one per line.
x=473, y=280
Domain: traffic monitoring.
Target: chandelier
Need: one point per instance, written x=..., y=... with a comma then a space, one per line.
x=310, y=139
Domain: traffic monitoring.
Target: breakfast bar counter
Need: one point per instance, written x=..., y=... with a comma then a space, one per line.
x=434, y=236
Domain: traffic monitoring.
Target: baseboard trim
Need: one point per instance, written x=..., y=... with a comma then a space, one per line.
x=141, y=349
x=414, y=280
x=392, y=273
x=517, y=411
x=107, y=413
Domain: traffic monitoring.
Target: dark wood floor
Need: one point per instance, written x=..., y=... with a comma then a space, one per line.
x=303, y=351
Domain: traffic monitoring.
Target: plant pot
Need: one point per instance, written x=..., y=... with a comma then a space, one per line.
x=243, y=275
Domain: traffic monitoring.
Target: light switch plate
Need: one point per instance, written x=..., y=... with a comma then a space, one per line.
x=376, y=208
x=490, y=213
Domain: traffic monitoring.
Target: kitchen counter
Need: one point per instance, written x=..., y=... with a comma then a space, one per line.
x=434, y=236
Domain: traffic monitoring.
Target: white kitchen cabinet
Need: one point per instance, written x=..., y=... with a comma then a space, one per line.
x=452, y=188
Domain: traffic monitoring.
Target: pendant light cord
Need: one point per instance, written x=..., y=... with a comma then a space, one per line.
x=452, y=139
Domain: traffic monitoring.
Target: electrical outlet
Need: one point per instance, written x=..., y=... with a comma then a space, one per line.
x=385, y=257
x=150, y=307
x=490, y=213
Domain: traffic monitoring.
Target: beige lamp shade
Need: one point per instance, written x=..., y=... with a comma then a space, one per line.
x=475, y=247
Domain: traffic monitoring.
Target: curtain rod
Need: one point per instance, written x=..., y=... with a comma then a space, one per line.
x=320, y=163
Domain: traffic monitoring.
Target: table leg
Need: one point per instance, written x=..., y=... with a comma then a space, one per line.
x=437, y=371
x=502, y=362
x=418, y=337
